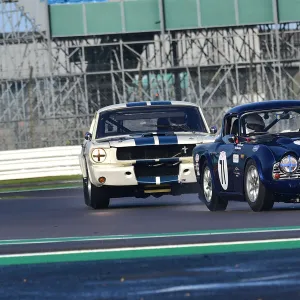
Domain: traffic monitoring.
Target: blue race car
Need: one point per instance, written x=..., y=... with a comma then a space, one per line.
x=255, y=158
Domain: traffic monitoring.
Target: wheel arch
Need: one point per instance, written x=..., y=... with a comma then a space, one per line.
x=263, y=159
x=205, y=157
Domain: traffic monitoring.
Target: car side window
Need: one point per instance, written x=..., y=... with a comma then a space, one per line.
x=234, y=126
x=231, y=126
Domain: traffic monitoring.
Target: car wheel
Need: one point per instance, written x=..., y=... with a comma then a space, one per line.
x=85, y=191
x=95, y=197
x=257, y=196
x=207, y=192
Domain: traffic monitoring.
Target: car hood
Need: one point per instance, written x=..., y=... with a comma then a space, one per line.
x=169, y=139
x=280, y=145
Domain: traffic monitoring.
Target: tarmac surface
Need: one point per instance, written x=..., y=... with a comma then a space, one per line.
x=50, y=221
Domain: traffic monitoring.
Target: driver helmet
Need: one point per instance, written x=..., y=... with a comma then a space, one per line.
x=254, y=123
x=182, y=120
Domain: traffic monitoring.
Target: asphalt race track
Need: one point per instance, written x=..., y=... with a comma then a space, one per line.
x=166, y=248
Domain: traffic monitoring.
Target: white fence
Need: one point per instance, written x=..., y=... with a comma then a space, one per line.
x=40, y=162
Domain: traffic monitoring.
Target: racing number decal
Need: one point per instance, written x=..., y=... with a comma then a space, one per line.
x=222, y=170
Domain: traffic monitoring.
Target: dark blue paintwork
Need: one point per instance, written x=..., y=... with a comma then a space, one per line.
x=137, y=104
x=265, y=105
x=265, y=150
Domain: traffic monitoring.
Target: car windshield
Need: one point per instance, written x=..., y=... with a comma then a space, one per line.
x=139, y=120
x=285, y=121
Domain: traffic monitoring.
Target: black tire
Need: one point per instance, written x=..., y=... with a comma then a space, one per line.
x=264, y=200
x=95, y=197
x=215, y=202
x=85, y=191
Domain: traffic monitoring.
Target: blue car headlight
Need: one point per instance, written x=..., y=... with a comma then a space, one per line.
x=288, y=164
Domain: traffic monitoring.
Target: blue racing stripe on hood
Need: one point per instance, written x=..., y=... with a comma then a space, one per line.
x=133, y=104
x=161, y=103
x=168, y=140
x=144, y=141
x=146, y=180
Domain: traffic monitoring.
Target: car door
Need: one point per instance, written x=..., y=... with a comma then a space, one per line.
x=225, y=155
x=240, y=155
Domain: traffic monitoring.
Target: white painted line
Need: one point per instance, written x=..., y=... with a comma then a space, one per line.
x=219, y=286
x=157, y=180
x=133, y=237
x=161, y=247
x=156, y=140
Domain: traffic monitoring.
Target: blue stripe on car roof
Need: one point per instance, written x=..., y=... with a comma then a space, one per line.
x=144, y=141
x=133, y=104
x=161, y=103
x=168, y=140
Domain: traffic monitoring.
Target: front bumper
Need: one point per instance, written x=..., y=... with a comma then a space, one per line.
x=288, y=187
x=125, y=176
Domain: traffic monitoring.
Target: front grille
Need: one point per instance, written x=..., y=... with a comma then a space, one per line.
x=151, y=170
x=154, y=152
x=276, y=170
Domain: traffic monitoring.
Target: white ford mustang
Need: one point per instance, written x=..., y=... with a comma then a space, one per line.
x=140, y=149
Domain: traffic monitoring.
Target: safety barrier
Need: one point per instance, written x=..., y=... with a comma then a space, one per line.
x=40, y=162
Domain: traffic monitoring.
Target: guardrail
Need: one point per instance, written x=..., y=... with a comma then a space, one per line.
x=39, y=162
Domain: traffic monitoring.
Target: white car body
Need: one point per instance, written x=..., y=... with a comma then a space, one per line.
x=127, y=177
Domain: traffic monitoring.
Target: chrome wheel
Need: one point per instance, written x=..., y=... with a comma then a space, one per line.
x=252, y=184
x=207, y=184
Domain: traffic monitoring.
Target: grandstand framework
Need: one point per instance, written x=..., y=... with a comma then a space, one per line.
x=50, y=86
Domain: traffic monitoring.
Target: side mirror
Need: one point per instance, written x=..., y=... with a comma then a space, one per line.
x=213, y=130
x=231, y=139
x=88, y=136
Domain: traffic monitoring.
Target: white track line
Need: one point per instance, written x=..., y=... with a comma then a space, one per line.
x=200, y=245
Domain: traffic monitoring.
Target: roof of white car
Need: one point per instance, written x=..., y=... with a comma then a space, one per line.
x=146, y=103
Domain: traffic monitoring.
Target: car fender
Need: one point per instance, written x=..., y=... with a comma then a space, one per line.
x=264, y=159
x=205, y=156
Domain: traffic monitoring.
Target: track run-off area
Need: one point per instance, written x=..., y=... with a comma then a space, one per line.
x=51, y=244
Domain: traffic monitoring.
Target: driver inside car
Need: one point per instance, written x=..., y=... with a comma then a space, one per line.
x=178, y=121
x=254, y=123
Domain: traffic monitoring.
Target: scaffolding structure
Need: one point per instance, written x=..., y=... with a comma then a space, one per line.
x=50, y=88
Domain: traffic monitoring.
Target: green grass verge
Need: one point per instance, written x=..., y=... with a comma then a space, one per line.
x=40, y=180
x=40, y=187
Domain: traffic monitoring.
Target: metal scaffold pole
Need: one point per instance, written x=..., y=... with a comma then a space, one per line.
x=76, y=75
x=30, y=99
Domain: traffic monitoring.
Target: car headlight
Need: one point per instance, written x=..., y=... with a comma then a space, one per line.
x=288, y=164
x=98, y=155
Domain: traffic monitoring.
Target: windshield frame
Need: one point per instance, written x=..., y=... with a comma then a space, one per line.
x=243, y=115
x=144, y=110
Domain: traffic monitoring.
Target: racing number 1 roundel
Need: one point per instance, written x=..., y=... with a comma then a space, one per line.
x=223, y=170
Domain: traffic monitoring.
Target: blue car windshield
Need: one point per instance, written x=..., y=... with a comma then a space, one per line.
x=285, y=121
x=139, y=120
